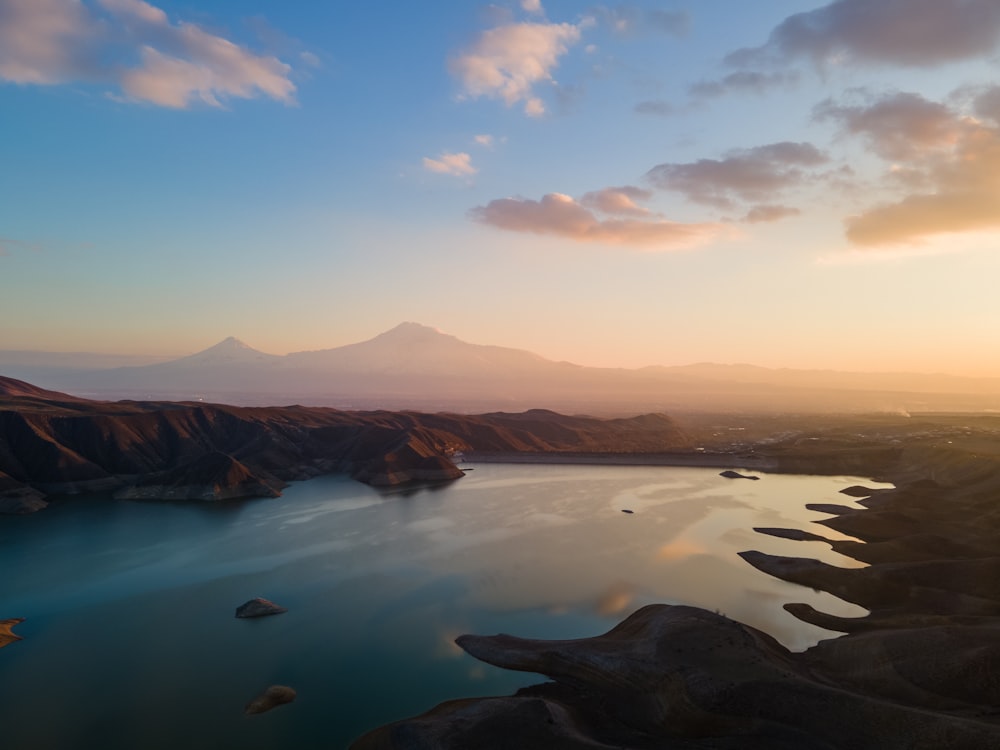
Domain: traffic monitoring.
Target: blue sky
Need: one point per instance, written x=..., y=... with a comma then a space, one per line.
x=790, y=183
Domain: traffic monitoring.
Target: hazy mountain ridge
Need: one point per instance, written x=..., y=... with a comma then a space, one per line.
x=415, y=366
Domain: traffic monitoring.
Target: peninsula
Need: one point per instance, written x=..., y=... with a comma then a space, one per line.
x=918, y=671
x=52, y=443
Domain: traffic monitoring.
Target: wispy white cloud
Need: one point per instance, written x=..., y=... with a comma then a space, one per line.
x=311, y=59
x=914, y=33
x=484, y=139
x=9, y=245
x=133, y=45
x=743, y=81
x=627, y=19
x=508, y=61
x=457, y=165
x=658, y=107
x=562, y=216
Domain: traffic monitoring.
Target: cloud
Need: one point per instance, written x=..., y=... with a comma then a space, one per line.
x=311, y=59
x=656, y=107
x=951, y=164
x=134, y=46
x=754, y=174
x=506, y=62
x=138, y=9
x=562, y=216
x=899, y=126
x=46, y=42
x=741, y=81
x=484, y=139
x=8, y=246
x=458, y=165
x=534, y=107
x=918, y=217
x=675, y=23
x=768, y=213
x=532, y=6
x=912, y=33
x=627, y=19
x=620, y=201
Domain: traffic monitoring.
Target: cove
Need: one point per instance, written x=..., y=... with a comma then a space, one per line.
x=130, y=639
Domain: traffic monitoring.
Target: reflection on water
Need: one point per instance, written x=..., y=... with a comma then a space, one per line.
x=131, y=642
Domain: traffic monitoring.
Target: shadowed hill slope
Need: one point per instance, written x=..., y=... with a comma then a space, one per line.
x=53, y=443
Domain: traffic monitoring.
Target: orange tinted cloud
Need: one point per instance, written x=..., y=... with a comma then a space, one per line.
x=950, y=161
x=618, y=200
x=767, y=213
x=560, y=215
x=457, y=165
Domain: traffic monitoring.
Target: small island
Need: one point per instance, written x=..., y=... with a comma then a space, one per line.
x=7, y=635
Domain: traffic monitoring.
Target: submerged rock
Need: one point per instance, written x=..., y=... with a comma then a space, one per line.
x=259, y=607
x=272, y=697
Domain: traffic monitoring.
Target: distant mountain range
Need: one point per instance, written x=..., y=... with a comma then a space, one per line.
x=414, y=366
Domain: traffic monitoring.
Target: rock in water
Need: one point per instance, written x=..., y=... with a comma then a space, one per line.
x=7, y=636
x=259, y=608
x=730, y=474
x=274, y=696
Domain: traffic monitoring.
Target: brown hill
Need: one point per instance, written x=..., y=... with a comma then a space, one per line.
x=53, y=443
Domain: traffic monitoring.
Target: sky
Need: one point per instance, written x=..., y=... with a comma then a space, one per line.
x=784, y=183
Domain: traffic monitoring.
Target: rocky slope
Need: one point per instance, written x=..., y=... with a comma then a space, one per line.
x=921, y=670
x=54, y=443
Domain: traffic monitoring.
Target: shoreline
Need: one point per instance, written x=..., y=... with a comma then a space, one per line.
x=915, y=671
x=580, y=458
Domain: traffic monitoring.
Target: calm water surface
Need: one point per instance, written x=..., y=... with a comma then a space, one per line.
x=131, y=642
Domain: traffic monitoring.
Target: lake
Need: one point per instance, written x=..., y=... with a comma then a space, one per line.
x=131, y=641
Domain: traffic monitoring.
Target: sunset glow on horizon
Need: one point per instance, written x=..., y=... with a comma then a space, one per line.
x=791, y=184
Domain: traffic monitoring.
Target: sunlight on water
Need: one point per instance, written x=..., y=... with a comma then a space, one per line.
x=130, y=638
